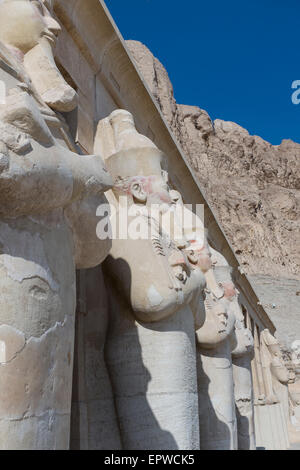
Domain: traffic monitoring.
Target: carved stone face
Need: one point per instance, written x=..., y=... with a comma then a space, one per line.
x=155, y=274
x=29, y=32
x=23, y=23
x=221, y=310
x=243, y=342
x=145, y=190
x=193, y=230
x=219, y=321
x=152, y=190
x=277, y=364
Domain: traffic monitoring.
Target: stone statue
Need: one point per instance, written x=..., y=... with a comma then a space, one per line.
x=294, y=392
x=150, y=348
x=215, y=379
x=45, y=191
x=222, y=335
x=295, y=362
x=276, y=372
x=276, y=378
x=241, y=345
x=295, y=383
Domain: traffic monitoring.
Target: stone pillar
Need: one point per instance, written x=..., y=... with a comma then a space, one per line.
x=242, y=354
x=217, y=418
x=37, y=284
x=218, y=426
x=153, y=372
x=243, y=394
x=218, y=421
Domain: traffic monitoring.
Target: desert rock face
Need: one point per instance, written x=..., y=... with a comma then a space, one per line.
x=253, y=186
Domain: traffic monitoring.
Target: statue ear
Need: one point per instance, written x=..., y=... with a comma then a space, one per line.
x=138, y=192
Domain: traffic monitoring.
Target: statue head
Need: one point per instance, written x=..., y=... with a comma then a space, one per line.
x=37, y=173
x=219, y=322
x=159, y=277
x=277, y=365
x=279, y=370
x=137, y=165
x=147, y=190
x=220, y=308
x=29, y=31
x=24, y=22
x=190, y=227
x=240, y=336
x=241, y=339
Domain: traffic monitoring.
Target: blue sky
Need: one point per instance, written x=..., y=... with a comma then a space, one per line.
x=236, y=59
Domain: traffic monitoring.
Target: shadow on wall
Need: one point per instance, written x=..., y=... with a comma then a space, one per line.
x=94, y=423
x=130, y=378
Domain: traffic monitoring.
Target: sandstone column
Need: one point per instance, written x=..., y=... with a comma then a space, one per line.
x=242, y=354
x=215, y=378
x=218, y=426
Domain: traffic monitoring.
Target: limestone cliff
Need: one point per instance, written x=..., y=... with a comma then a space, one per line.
x=253, y=186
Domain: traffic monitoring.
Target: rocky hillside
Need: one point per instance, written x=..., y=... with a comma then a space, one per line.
x=253, y=186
